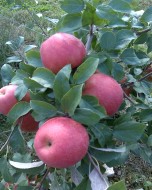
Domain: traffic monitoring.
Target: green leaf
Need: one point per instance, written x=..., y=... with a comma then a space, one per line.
x=129, y=57
x=7, y=74
x=42, y=109
x=20, y=92
x=33, y=85
x=61, y=83
x=84, y=185
x=69, y=23
x=117, y=71
x=146, y=115
x=13, y=59
x=76, y=176
x=118, y=185
x=33, y=58
x=149, y=44
x=108, y=41
x=149, y=142
x=86, y=116
x=72, y=6
x=129, y=131
x=16, y=141
x=89, y=16
x=4, y=169
x=27, y=68
x=104, y=156
x=18, y=110
x=19, y=77
x=123, y=38
x=92, y=103
x=24, y=188
x=29, y=168
x=147, y=16
x=85, y=70
x=106, y=12
x=44, y=77
x=117, y=22
x=71, y=99
x=29, y=47
x=120, y=6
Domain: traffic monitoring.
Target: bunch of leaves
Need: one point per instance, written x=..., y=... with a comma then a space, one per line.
x=113, y=34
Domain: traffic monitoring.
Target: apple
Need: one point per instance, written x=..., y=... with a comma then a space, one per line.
x=61, y=49
x=8, y=99
x=28, y=124
x=106, y=89
x=61, y=142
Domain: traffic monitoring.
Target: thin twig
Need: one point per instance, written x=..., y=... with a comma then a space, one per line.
x=95, y=166
x=39, y=185
x=7, y=141
x=146, y=76
x=127, y=97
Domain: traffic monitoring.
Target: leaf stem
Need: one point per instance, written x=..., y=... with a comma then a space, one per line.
x=90, y=38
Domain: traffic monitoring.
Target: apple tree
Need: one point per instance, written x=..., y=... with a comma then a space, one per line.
x=118, y=44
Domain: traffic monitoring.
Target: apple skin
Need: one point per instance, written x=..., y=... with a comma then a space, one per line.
x=106, y=89
x=61, y=49
x=28, y=123
x=61, y=142
x=8, y=99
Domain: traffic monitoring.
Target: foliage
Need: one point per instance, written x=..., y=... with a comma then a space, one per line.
x=113, y=33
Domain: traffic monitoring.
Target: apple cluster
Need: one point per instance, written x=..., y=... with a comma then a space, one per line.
x=61, y=142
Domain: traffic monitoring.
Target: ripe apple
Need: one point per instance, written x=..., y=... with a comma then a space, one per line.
x=106, y=90
x=28, y=124
x=61, y=142
x=61, y=49
x=8, y=99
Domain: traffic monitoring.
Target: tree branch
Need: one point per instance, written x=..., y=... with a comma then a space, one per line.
x=127, y=97
x=146, y=76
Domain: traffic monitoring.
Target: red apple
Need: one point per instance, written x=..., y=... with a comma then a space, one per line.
x=8, y=99
x=62, y=49
x=28, y=124
x=61, y=142
x=106, y=90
